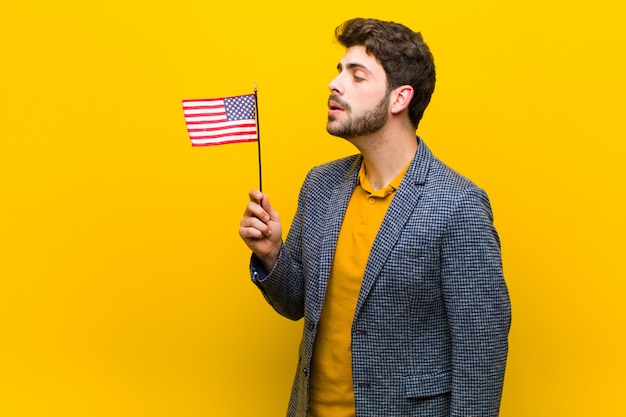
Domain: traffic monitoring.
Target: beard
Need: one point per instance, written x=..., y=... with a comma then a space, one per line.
x=362, y=124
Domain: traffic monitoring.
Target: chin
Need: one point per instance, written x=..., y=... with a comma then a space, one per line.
x=338, y=134
x=332, y=131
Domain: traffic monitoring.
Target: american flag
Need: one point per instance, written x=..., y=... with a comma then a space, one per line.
x=217, y=121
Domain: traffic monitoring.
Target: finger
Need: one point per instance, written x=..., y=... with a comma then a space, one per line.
x=255, y=196
x=255, y=227
x=250, y=233
x=265, y=203
x=255, y=210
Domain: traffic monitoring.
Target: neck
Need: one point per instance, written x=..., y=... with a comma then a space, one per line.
x=385, y=154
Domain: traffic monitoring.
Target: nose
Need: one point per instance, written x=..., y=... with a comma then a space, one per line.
x=335, y=85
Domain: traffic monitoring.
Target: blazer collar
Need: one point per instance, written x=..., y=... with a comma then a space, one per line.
x=340, y=197
x=399, y=212
x=418, y=170
x=402, y=206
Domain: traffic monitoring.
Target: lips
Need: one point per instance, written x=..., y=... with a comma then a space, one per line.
x=333, y=105
x=336, y=106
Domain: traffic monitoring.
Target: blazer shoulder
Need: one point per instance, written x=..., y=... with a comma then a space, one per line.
x=429, y=171
x=443, y=176
x=338, y=166
x=333, y=172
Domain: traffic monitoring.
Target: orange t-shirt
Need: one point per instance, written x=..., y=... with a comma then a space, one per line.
x=331, y=391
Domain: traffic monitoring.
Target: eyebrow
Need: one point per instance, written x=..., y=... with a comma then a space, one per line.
x=352, y=65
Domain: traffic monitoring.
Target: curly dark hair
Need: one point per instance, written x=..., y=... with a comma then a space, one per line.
x=402, y=53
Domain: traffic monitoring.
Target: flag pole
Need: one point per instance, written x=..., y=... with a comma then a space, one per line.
x=258, y=134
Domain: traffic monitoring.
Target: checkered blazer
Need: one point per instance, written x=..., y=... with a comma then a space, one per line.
x=429, y=336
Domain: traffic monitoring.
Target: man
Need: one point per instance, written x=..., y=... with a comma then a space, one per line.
x=392, y=258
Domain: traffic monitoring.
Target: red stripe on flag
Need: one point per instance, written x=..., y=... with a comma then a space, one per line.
x=202, y=107
x=211, y=129
x=207, y=122
x=223, y=135
x=223, y=142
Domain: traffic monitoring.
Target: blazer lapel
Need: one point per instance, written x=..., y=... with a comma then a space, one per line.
x=339, y=199
x=400, y=210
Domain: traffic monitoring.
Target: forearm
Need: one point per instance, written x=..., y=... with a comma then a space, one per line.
x=282, y=286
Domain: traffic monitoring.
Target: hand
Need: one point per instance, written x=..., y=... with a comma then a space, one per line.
x=261, y=230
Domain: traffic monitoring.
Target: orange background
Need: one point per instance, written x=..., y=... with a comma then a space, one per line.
x=124, y=287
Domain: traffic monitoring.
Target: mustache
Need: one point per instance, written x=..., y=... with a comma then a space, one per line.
x=336, y=99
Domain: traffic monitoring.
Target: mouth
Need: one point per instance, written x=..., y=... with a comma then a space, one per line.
x=334, y=107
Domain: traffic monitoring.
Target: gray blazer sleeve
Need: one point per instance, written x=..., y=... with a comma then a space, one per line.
x=284, y=286
x=477, y=305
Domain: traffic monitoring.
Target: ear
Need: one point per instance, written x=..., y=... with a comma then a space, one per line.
x=400, y=98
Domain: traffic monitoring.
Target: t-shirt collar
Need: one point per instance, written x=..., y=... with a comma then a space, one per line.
x=385, y=191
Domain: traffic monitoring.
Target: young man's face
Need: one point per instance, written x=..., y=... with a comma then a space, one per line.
x=359, y=101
